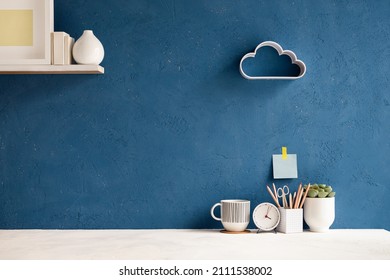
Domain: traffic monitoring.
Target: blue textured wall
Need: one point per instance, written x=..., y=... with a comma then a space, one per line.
x=172, y=127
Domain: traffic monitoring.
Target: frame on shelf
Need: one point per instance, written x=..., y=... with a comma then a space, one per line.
x=25, y=27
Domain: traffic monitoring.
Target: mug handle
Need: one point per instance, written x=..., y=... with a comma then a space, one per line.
x=212, y=211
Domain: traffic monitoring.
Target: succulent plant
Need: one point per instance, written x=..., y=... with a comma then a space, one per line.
x=319, y=190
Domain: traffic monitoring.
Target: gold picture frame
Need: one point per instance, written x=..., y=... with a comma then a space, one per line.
x=25, y=28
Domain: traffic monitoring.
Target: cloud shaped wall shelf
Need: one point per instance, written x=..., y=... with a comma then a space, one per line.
x=272, y=64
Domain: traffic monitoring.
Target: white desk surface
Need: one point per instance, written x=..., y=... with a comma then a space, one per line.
x=191, y=245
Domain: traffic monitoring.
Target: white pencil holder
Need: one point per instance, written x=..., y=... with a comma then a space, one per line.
x=291, y=220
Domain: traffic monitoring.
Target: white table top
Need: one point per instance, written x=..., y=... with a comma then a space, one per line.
x=191, y=245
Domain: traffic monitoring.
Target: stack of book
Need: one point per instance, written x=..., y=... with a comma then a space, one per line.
x=62, y=45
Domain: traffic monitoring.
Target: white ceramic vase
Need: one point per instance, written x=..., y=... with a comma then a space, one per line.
x=88, y=49
x=319, y=213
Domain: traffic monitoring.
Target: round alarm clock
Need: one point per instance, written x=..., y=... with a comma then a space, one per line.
x=266, y=216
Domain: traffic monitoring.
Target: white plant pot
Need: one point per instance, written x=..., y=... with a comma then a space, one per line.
x=88, y=49
x=319, y=213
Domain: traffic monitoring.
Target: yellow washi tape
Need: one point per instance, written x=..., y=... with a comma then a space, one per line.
x=284, y=152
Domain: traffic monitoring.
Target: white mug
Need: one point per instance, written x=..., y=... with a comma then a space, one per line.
x=235, y=214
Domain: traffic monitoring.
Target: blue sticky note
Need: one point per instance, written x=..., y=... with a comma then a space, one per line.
x=285, y=168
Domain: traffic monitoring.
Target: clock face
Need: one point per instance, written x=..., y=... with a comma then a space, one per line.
x=266, y=216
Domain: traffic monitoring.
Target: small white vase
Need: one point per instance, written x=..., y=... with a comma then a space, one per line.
x=88, y=49
x=319, y=213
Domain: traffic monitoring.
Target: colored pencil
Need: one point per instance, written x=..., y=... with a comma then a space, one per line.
x=294, y=198
x=273, y=197
x=275, y=193
x=304, y=197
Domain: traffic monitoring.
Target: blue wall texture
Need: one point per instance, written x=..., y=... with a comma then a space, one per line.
x=172, y=127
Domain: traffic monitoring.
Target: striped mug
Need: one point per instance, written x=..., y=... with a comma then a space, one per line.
x=235, y=214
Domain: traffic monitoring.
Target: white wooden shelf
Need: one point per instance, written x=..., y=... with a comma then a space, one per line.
x=121, y=244
x=51, y=69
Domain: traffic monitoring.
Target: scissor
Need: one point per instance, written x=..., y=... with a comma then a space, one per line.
x=282, y=193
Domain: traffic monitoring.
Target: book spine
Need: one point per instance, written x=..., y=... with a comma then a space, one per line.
x=68, y=47
x=59, y=48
